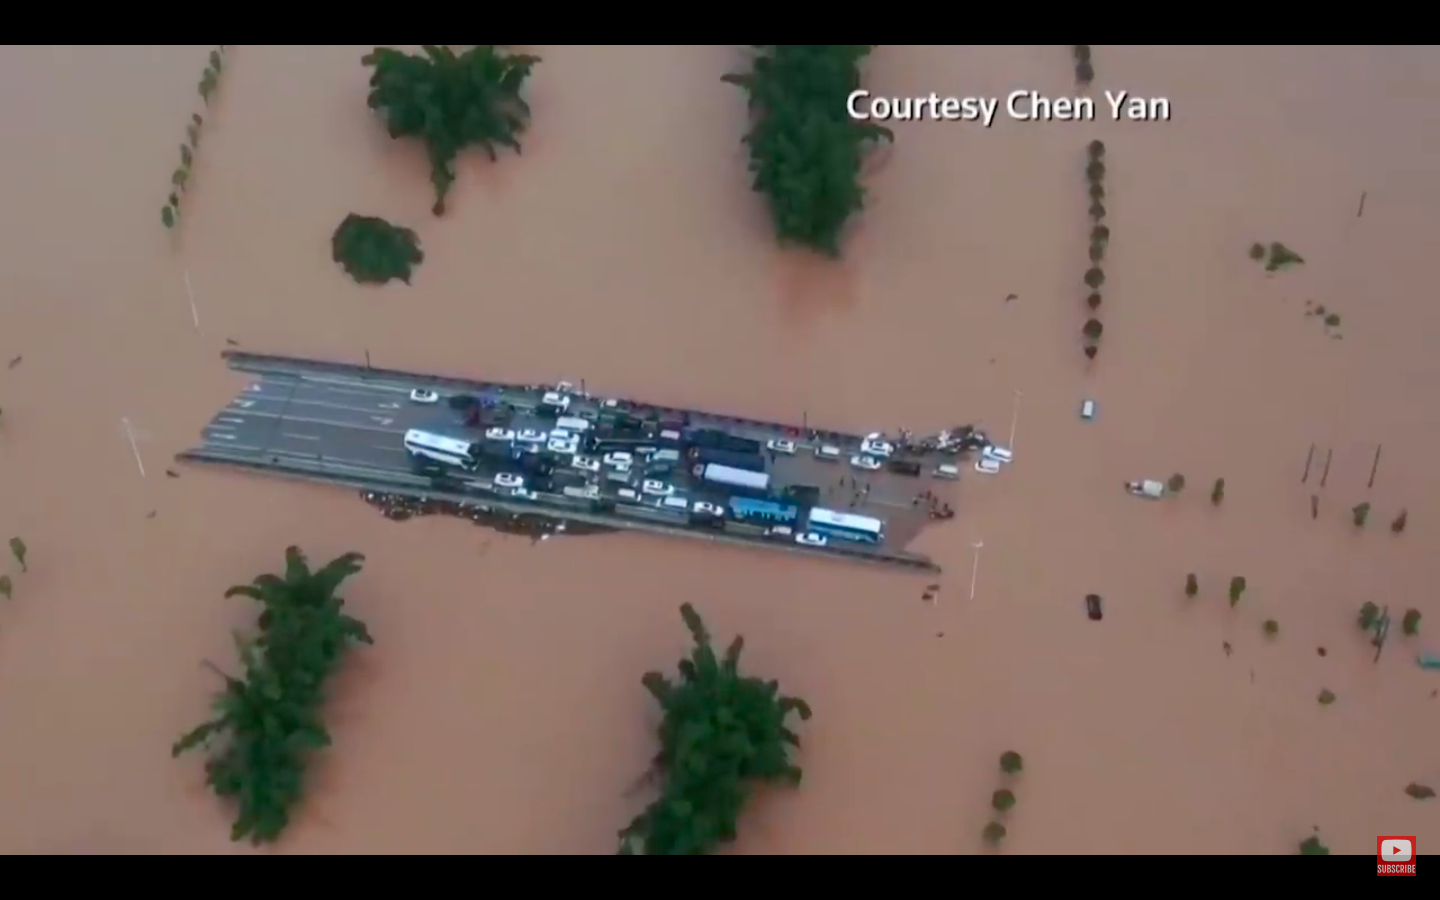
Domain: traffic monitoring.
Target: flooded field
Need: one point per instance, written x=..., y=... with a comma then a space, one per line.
x=500, y=710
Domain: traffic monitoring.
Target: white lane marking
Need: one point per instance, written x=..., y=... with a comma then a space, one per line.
x=381, y=420
x=389, y=406
x=376, y=386
x=253, y=387
x=347, y=425
x=224, y=437
x=243, y=404
x=231, y=419
x=300, y=437
x=230, y=447
x=295, y=401
x=213, y=427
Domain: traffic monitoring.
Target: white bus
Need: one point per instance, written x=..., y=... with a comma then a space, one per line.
x=847, y=526
x=443, y=449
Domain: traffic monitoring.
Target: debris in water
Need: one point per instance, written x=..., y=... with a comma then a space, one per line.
x=1320, y=650
x=1225, y=645
x=231, y=343
x=151, y=514
x=1009, y=297
x=16, y=361
x=1092, y=607
x=939, y=634
x=399, y=508
x=171, y=473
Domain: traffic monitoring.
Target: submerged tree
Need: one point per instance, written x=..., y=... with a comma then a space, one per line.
x=1217, y=493
x=373, y=251
x=722, y=734
x=1092, y=329
x=1192, y=585
x=1237, y=589
x=1011, y=763
x=451, y=102
x=1094, y=278
x=805, y=149
x=1369, y=615
x=1410, y=623
x=267, y=719
x=1359, y=513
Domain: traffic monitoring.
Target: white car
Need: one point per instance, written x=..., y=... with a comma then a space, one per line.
x=420, y=395
x=567, y=446
x=656, y=488
x=999, y=454
x=621, y=469
x=947, y=471
x=509, y=480
x=628, y=494
x=873, y=446
x=987, y=466
x=531, y=436
x=499, y=434
x=678, y=503
x=557, y=400
x=586, y=463
x=708, y=509
x=522, y=494
x=827, y=453
x=618, y=459
x=811, y=539
x=779, y=446
x=779, y=531
x=868, y=463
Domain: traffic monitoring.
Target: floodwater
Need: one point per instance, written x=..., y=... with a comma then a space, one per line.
x=500, y=710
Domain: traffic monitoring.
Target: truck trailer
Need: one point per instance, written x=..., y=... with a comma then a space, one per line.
x=757, y=482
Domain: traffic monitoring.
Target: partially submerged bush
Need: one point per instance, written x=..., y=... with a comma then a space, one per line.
x=451, y=101
x=373, y=251
x=1192, y=585
x=1369, y=615
x=994, y=833
x=1410, y=624
x=1011, y=763
x=1311, y=846
x=723, y=733
x=805, y=149
x=1359, y=514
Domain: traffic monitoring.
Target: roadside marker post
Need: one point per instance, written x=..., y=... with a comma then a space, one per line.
x=134, y=447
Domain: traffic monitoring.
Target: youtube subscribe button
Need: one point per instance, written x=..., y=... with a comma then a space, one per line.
x=1395, y=855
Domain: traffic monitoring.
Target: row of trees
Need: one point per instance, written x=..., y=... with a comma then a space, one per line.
x=1003, y=800
x=209, y=81
x=1360, y=515
x=268, y=720
x=18, y=551
x=1084, y=70
x=805, y=149
x=722, y=734
x=1099, y=243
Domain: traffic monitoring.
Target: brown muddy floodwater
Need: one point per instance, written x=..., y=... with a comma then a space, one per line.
x=500, y=710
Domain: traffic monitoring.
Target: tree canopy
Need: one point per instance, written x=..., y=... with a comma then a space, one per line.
x=805, y=149
x=267, y=720
x=373, y=251
x=722, y=733
x=451, y=101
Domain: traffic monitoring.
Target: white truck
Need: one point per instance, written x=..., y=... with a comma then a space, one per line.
x=1150, y=490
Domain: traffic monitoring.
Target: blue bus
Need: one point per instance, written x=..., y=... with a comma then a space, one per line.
x=846, y=526
x=762, y=510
